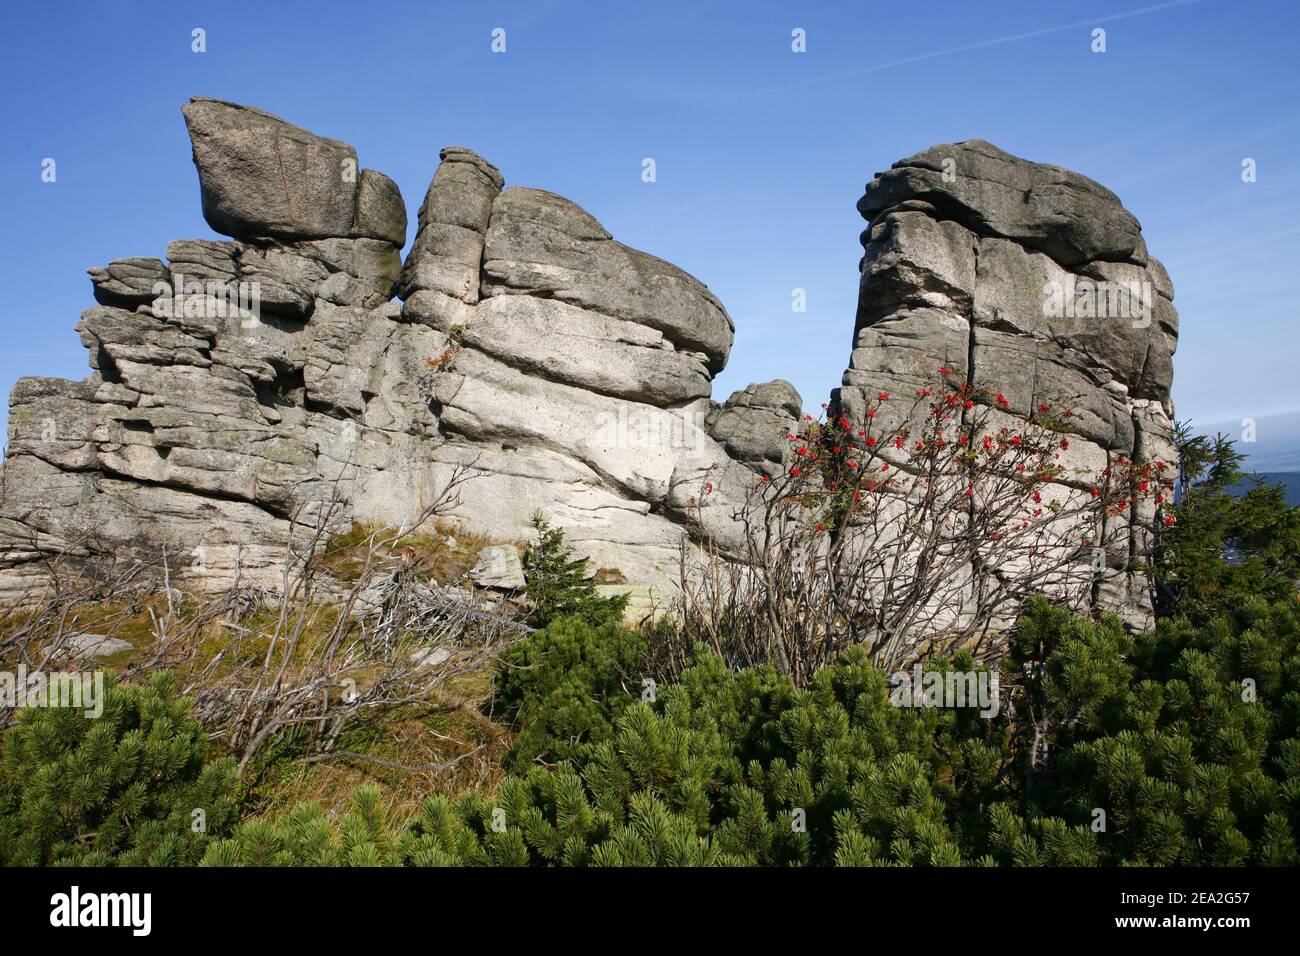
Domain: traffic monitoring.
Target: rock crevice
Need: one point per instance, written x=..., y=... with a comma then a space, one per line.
x=237, y=384
x=1030, y=279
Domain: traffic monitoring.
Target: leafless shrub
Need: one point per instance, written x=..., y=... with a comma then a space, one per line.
x=304, y=659
x=921, y=536
x=37, y=631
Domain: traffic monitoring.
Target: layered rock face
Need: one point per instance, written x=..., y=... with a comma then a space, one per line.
x=239, y=387
x=301, y=376
x=1035, y=282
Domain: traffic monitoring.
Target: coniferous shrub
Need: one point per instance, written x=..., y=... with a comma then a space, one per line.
x=566, y=684
x=1223, y=546
x=742, y=768
x=556, y=585
x=1192, y=747
x=362, y=836
x=120, y=789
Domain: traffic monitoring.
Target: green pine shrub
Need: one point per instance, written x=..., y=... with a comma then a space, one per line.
x=566, y=684
x=556, y=585
x=743, y=768
x=117, y=790
x=362, y=836
x=1187, y=738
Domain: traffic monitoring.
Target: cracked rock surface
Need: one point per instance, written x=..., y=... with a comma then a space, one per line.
x=990, y=265
x=570, y=373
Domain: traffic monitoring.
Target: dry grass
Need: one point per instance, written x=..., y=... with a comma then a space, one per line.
x=124, y=619
x=452, y=735
x=268, y=670
x=447, y=733
x=433, y=554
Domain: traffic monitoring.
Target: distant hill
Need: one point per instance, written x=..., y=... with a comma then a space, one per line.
x=1273, y=456
x=1289, y=480
x=1276, y=448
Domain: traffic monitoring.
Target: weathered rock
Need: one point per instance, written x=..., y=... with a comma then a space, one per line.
x=753, y=424
x=381, y=214
x=359, y=271
x=1028, y=279
x=1068, y=216
x=499, y=567
x=261, y=176
x=81, y=647
x=204, y=428
x=128, y=283
x=203, y=259
x=430, y=656
x=541, y=244
x=264, y=177
x=279, y=386
x=561, y=342
x=52, y=419
x=448, y=248
x=286, y=283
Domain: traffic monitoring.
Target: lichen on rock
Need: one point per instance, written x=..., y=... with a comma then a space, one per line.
x=235, y=384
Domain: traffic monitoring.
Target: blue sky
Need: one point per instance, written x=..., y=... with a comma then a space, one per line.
x=761, y=153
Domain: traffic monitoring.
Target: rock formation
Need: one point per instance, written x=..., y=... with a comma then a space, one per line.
x=753, y=423
x=238, y=385
x=1034, y=280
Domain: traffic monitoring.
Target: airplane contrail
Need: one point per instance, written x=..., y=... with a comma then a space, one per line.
x=832, y=77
